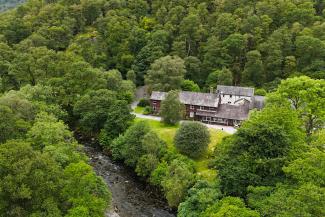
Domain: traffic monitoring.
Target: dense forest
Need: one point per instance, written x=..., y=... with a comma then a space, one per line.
x=69, y=70
x=7, y=4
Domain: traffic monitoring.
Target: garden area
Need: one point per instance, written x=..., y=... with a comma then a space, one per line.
x=167, y=133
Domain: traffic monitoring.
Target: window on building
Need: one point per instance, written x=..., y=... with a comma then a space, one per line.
x=192, y=106
x=230, y=96
x=154, y=102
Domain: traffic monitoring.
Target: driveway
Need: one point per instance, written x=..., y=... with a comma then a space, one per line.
x=227, y=129
x=149, y=117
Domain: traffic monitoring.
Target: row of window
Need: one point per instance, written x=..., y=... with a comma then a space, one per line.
x=203, y=108
x=214, y=119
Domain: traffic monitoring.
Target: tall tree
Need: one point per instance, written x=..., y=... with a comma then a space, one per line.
x=252, y=156
x=192, y=139
x=165, y=74
x=254, y=73
x=307, y=96
x=172, y=110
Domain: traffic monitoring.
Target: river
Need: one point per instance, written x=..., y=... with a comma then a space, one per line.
x=130, y=197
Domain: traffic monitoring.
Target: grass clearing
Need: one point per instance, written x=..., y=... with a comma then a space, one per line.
x=167, y=133
x=139, y=110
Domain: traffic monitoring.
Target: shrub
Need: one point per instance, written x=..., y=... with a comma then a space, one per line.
x=192, y=139
x=144, y=102
x=202, y=195
x=147, y=110
x=179, y=178
x=260, y=92
x=189, y=85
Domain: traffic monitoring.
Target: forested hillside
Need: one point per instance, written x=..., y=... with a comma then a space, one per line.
x=7, y=4
x=71, y=67
x=260, y=42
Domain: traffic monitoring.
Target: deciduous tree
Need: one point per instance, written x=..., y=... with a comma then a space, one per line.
x=166, y=74
x=192, y=139
x=172, y=110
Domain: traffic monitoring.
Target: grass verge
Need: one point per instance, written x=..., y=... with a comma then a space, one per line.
x=139, y=110
x=167, y=133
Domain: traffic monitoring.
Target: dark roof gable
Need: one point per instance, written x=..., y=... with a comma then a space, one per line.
x=233, y=90
x=190, y=98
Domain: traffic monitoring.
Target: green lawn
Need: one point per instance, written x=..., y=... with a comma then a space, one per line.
x=139, y=110
x=167, y=133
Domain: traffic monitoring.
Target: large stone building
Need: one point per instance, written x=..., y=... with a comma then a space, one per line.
x=229, y=105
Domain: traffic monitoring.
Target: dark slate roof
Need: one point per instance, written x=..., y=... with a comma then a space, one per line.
x=259, y=102
x=233, y=112
x=156, y=95
x=227, y=111
x=191, y=98
x=233, y=90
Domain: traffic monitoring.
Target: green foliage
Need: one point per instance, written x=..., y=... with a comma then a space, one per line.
x=30, y=181
x=140, y=148
x=47, y=131
x=200, y=196
x=179, y=177
x=317, y=139
x=16, y=115
x=166, y=74
x=253, y=157
x=305, y=186
x=128, y=147
x=253, y=73
x=188, y=85
x=253, y=40
x=118, y=119
x=53, y=137
x=67, y=60
x=124, y=88
x=154, y=149
x=192, y=139
x=193, y=66
x=309, y=167
x=144, y=102
x=33, y=179
x=172, y=110
x=260, y=92
x=33, y=184
x=219, y=77
x=148, y=110
x=11, y=126
x=84, y=190
x=288, y=200
x=131, y=76
x=92, y=110
x=230, y=206
x=306, y=95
